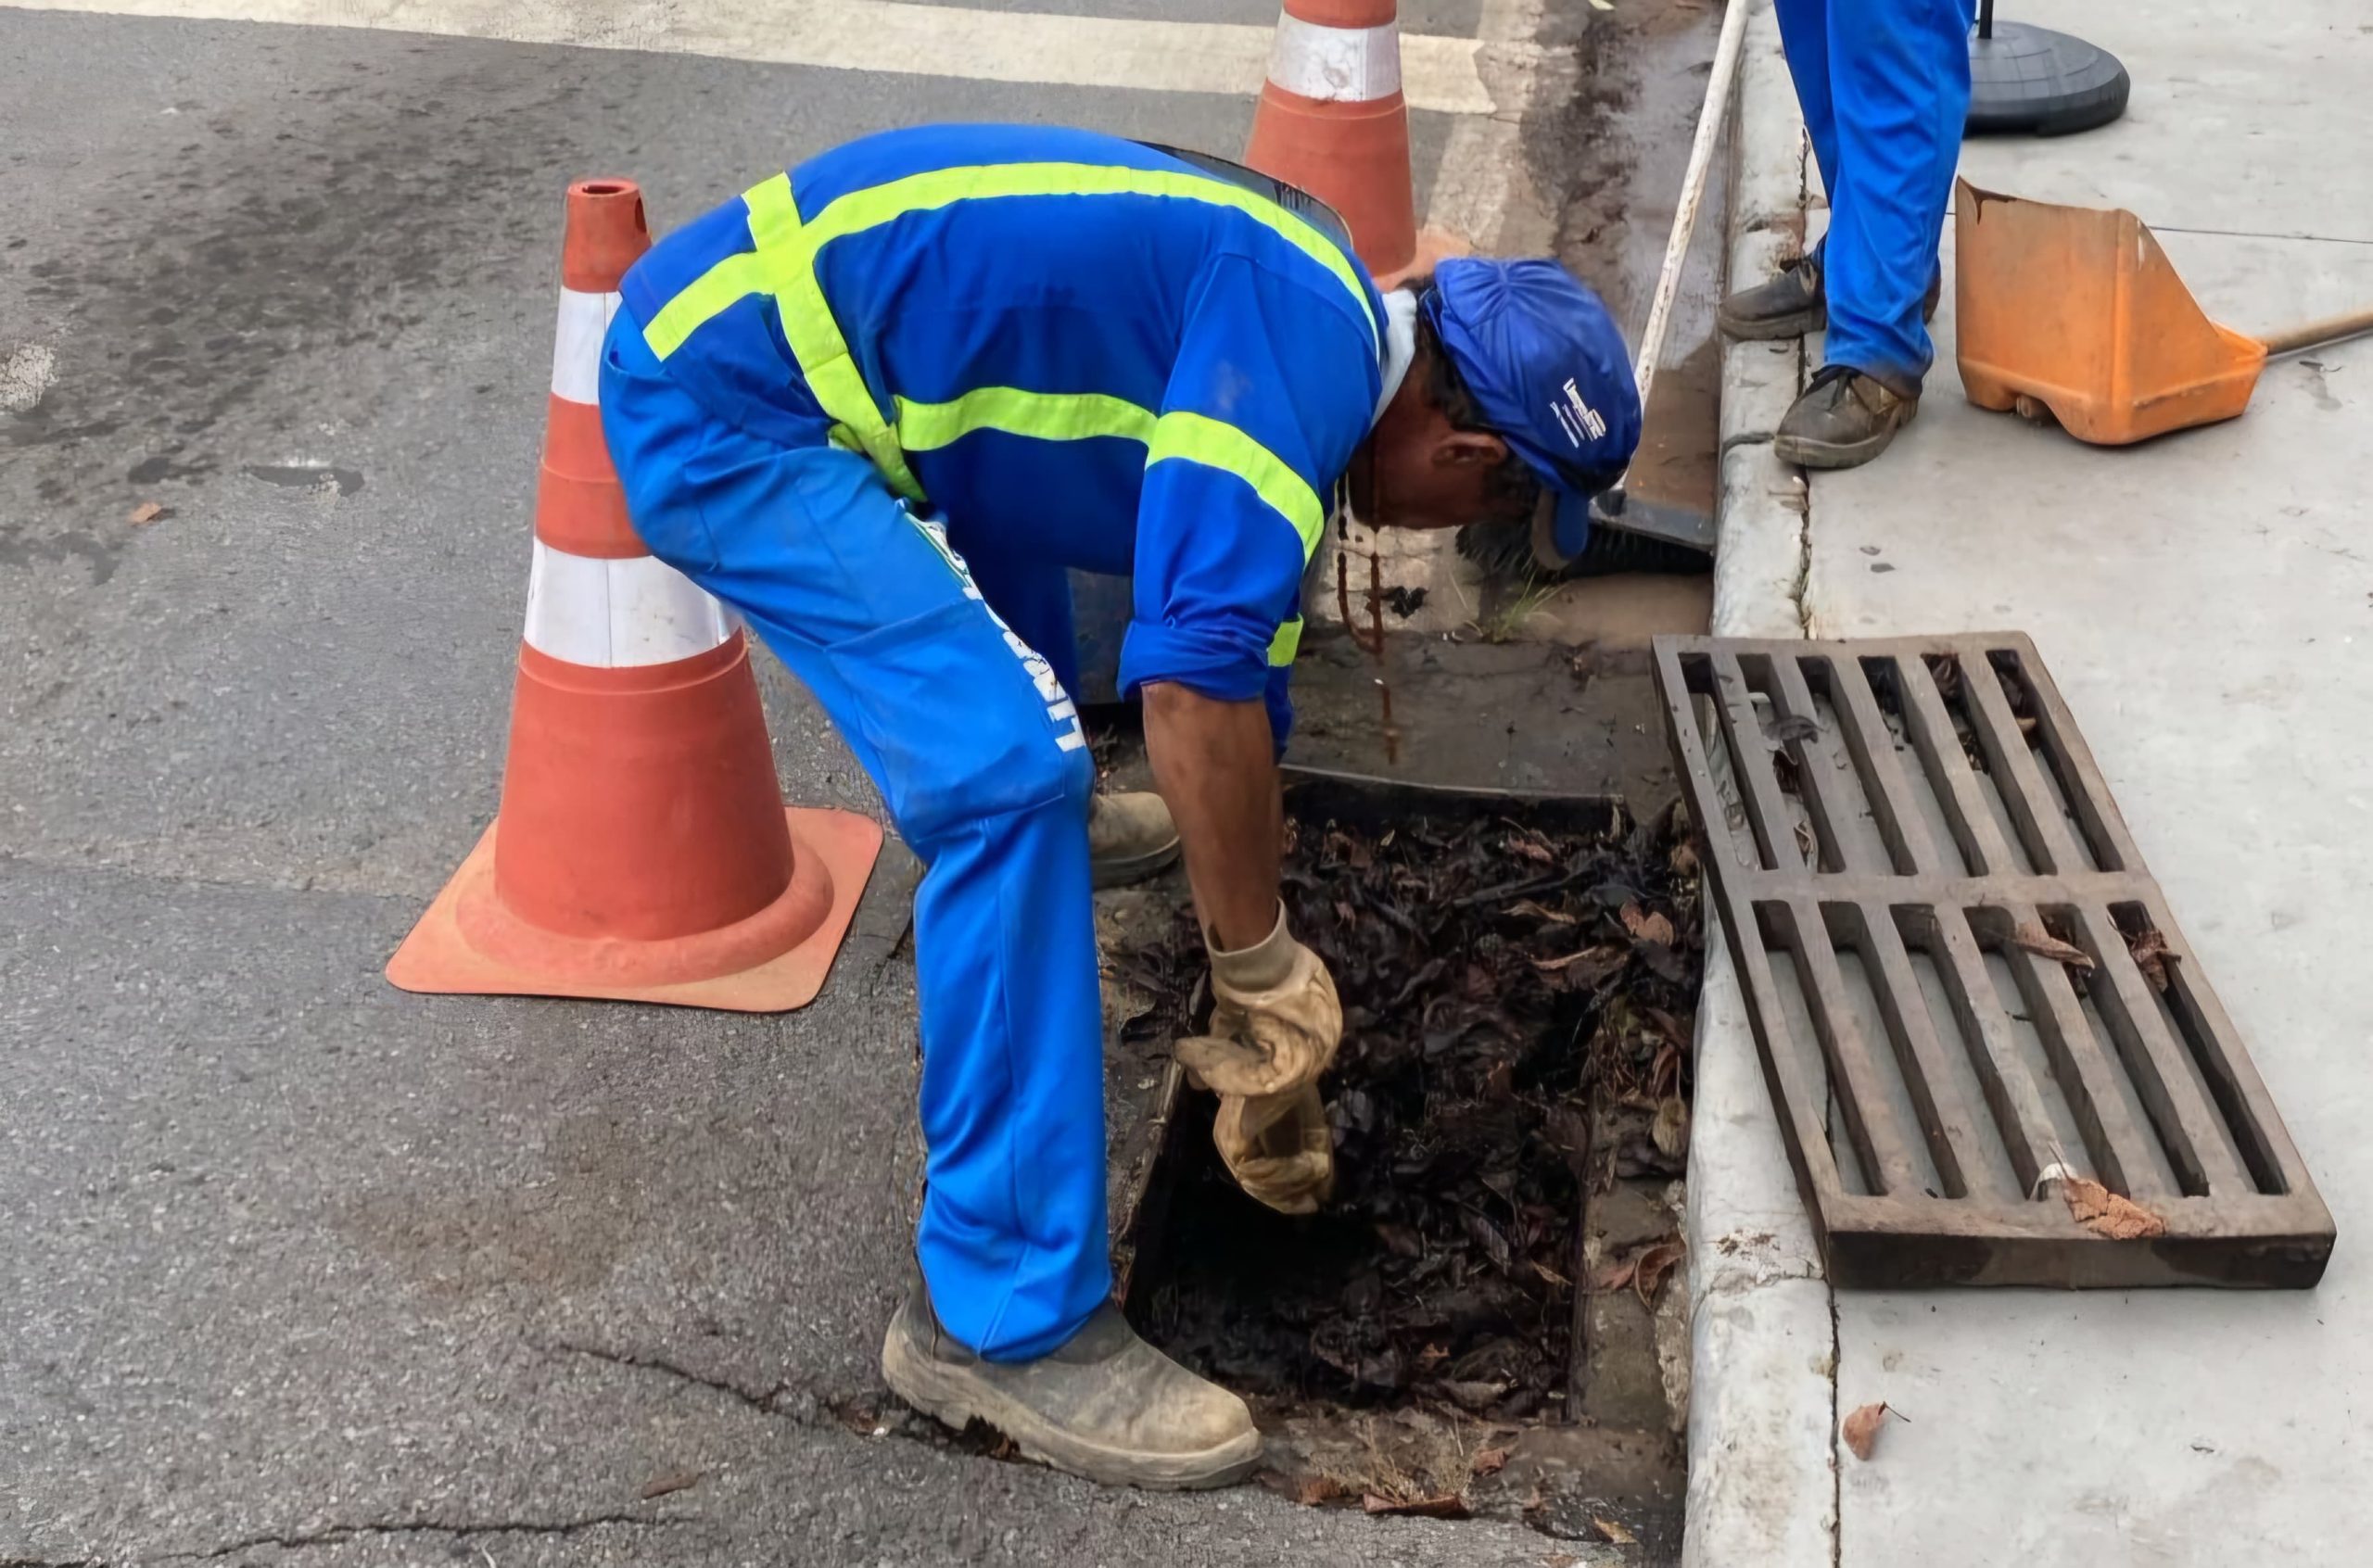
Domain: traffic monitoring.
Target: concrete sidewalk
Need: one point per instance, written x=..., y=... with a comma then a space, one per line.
x=2205, y=602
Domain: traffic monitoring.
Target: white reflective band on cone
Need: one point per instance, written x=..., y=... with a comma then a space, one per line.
x=610, y=614
x=1338, y=64
x=577, y=345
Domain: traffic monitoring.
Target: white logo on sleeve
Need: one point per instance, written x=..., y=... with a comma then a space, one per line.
x=1577, y=418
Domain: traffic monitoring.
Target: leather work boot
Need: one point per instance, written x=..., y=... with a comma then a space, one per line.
x=1793, y=303
x=1106, y=1406
x=1130, y=837
x=1843, y=420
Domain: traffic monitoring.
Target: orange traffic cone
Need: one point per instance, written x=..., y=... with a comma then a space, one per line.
x=643, y=851
x=1332, y=121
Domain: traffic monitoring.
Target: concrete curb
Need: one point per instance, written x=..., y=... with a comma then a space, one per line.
x=1762, y=1416
x=1759, y=569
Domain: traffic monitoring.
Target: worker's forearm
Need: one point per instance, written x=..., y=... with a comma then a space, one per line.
x=1216, y=765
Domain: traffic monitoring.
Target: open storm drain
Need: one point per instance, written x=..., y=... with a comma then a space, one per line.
x=1518, y=980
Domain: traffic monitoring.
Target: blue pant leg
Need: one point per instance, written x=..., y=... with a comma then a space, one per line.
x=1033, y=597
x=1900, y=73
x=1803, y=35
x=968, y=735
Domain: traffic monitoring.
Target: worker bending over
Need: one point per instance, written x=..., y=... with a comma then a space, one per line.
x=881, y=406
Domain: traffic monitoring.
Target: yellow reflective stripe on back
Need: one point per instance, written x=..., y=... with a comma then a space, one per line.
x=1286, y=643
x=857, y=211
x=787, y=256
x=1076, y=416
x=1198, y=439
x=1048, y=416
x=784, y=264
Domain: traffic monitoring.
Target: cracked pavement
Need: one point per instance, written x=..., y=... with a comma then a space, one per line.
x=302, y=1268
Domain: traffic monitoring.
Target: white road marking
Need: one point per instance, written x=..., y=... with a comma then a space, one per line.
x=1438, y=73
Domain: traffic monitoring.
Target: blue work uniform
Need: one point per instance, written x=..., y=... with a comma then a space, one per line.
x=1884, y=89
x=879, y=405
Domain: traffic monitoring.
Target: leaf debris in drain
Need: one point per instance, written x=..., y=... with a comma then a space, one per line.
x=1494, y=969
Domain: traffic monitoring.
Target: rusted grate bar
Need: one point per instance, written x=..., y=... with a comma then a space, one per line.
x=1966, y=988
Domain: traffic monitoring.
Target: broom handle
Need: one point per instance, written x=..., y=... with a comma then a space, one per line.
x=1693, y=192
x=2308, y=335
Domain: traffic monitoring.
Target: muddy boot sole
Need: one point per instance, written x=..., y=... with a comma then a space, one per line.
x=1773, y=329
x=1123, y=870
x=1810, y=452
x=953, y=1399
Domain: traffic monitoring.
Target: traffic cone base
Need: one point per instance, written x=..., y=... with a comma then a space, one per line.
x=471, y=944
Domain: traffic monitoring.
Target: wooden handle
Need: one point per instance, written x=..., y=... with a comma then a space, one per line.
x=2308, y=335
x=1692, y=190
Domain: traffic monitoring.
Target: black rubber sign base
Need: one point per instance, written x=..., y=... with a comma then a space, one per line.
x=2031, y=81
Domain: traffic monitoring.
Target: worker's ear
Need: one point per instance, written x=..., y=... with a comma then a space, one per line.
x=1470, y=449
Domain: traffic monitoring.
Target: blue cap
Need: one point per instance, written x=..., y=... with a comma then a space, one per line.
x=1549, y=374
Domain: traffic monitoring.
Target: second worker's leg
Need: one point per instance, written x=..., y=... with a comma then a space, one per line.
x=1899, y=80
x=1790, y=304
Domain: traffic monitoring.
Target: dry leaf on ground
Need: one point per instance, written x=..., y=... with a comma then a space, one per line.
x=2150, y=955
x=1317, y=1490
x=1647, y=926
x=1612, y=1530
x=1539, y=911
x=1448, y=1505
x=678, y=1481
x=1531, y=849
x=1683, y=858
x=1654, y=1264
x=147, y=512
x=2036, y=940
x=1613, y=1276
x=2104, y=1213
x=1861, y=1429
x=1490, y=1461
x=1672, y=1127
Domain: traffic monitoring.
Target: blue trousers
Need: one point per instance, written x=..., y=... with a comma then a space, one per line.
x=1884, y=88
x=972, y=740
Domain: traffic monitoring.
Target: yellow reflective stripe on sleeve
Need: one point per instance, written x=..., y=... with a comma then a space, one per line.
x=1286, y=643
x=861, y=209
x=733, y=279
x=1198, y=439
x=1049, y=416
x=787, y=255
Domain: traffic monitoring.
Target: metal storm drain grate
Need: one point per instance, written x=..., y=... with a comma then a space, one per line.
x=1994, y=1058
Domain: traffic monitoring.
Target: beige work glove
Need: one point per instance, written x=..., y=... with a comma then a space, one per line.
x=1279, y=1148
x=1274, y=1020
x=1276, y=1023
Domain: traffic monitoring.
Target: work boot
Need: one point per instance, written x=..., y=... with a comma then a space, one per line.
x=1795, y=303
x=1130, y=837
x=1843, y=420
x=1107, y=1405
